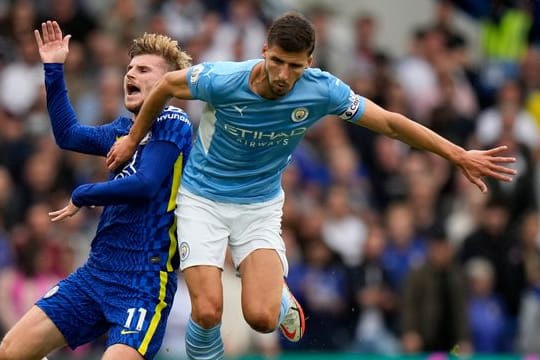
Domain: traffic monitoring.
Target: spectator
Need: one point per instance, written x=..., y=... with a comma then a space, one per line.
x=434, y=306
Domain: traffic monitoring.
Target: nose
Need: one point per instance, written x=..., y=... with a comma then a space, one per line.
x=129, y=74
x=284, y=73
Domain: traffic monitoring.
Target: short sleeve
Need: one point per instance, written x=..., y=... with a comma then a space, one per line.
x=199, y=78
x=173, y=125
x=344, y=102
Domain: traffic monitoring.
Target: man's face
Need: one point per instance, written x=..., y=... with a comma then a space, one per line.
x=284, y=68
x=142, y=74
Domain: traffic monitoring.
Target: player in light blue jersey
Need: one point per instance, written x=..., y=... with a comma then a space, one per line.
x=257, y=112
x=126, y=287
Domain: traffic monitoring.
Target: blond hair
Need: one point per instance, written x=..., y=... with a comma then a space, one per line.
x=163, y=46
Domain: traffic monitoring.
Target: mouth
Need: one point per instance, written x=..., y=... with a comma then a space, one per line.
x=132, y=89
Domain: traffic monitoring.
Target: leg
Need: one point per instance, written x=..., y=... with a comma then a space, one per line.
x=258, y=251
x=203, y=336
x=206, y=294
x=262, y=284
x=32, y=337
x=121, y=351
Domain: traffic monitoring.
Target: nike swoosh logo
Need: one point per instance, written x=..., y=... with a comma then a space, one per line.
x=125, y=332
x=290, y=334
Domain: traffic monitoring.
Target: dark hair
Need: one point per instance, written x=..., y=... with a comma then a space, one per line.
x=293, y=33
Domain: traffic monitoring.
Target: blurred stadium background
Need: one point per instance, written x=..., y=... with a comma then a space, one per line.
x=392, y=252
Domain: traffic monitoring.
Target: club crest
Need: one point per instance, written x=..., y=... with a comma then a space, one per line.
x=184, y=251
x=299, y=114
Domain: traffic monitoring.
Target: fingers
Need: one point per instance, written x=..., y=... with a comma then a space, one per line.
x=56, y=30
x=111, y=161
x=50, y=31
x=480, y=184
x=503, y=159
x=59, y=214
x=498, y=176
x=66, y=40
x=45, y=32
x=497, y=150
x=112, y=164
x=503, y=169
x=39, y=41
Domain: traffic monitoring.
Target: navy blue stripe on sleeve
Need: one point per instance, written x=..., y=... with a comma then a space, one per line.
x=156, y=164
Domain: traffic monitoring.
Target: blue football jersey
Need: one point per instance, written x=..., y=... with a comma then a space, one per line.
x=245, y=141
x=141, y=235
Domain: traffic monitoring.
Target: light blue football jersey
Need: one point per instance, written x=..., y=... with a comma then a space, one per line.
x=245, y=141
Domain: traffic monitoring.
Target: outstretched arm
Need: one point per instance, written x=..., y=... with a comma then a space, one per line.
x=157, y=162
x=68, y=133
x=172, y=84
x=475, y=164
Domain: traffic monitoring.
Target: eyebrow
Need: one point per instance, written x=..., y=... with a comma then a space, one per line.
x=275, y=57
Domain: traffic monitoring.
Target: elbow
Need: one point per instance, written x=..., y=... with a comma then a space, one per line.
x=62, y=142
x=392, y=121
x=147, y=189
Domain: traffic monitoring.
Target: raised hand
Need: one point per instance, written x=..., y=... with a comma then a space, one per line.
x=53, y=48
x=476, y=164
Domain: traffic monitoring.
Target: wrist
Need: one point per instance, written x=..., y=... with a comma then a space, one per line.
x=131, y=140
x=457, y=155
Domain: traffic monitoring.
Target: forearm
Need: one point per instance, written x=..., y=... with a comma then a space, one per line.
x=410, y=132
x=156, y=164
x=67, y=131
x=421, y=137
x=61, y=113
x=152, y=106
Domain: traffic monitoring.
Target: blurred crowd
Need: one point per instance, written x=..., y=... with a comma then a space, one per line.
x=391, y=250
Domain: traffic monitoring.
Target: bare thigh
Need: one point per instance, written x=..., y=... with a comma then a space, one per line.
x=262, y=284
x=121, y=351
x=206, y=294
x=32, y=337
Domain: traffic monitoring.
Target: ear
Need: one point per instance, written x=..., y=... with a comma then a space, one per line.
x=310, y=61
x=264, y=50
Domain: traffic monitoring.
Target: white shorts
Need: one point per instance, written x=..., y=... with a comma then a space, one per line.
x=206, y=227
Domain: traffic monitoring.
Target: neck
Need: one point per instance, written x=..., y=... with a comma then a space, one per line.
x=258, y=82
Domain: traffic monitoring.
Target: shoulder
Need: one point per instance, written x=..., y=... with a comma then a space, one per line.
x=325, y=81
x=318, y=75
x=173, y=124
x=224, y=70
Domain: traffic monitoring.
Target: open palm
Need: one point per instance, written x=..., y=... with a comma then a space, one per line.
x=53, y=48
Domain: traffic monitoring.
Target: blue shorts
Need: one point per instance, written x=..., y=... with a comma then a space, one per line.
x=132, y=307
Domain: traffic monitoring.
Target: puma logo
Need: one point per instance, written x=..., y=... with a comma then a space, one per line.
x=240, y=109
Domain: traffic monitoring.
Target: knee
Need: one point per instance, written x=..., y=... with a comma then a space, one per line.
x=206, y=312
x=261, y=319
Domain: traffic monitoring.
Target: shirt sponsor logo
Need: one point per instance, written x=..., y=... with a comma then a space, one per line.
x=354, y=105
x=170, y=115
x=253, y=138
x=299, y=114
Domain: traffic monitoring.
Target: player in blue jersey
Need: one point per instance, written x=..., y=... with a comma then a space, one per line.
x=257, y=112
x=126, y=287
